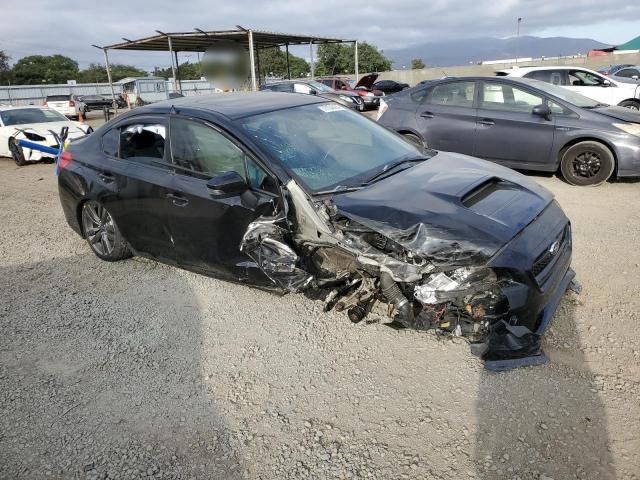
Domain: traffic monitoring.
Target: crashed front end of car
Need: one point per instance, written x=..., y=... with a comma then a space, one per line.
x=489, y=262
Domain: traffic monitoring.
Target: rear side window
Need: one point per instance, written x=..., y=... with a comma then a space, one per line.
x=628, y=72
x=141, y=142
x=453, y=94
x=555, y=77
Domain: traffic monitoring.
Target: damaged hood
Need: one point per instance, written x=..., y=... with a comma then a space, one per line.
x=452, y=208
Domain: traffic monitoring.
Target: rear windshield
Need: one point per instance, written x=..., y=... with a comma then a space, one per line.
x=58, y=98
x=23, y=116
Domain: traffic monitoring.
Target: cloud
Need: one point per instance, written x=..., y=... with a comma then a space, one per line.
x=70, y=27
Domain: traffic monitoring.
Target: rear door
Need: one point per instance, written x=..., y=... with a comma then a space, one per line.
x=507, y=131
x=447, y=118
x=134, y=179
x=207, y=230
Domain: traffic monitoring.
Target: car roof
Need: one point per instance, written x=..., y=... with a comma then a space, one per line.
x=519, y=71
x=237, y=104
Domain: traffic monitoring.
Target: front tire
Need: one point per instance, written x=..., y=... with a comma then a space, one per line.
x=631, y=104
x=16, y=153
x=587, y=163
x=102, y=233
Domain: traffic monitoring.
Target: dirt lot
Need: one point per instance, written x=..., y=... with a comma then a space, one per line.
x=135, y=369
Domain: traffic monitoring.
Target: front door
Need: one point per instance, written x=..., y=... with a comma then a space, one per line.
x=207, y=230
x=447, y=118
x=592, y=86
x=135, y=178
x=507, y=131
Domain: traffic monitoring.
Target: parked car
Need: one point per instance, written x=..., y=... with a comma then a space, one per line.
x=310, y=87
x=364, y=88
x=629, y=74
x=68, y=105
x=520, y=123
x=95, y=102
x=36, y=124
x=389, y=86
x=612, y=69
x=584, y=81
x=292, y=192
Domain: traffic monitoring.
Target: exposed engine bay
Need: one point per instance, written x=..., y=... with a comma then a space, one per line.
x=439, y=284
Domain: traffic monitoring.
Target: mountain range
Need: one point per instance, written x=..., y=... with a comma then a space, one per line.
x=475, y=50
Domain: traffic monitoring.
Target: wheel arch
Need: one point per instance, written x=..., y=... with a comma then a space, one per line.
x=632, y=99
x=405, y=130
x=588, y=138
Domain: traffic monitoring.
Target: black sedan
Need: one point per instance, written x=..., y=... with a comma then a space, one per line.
x=390, y=86
x=520, y=123
x=291, y=192
x=311, y=87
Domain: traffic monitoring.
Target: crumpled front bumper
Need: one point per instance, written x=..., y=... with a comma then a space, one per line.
x=539, y=266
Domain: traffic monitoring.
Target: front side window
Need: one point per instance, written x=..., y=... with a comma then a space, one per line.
x=497, y=96
x=201, y=149
x=580, y=78
x=628, y=73
x=327, y=146
x=453, y=94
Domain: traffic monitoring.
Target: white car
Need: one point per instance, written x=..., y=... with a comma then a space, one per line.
x=584, y=81
x=38, y=125
x=69, y=105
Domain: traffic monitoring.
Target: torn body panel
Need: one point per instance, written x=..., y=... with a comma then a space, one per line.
x=484, y=290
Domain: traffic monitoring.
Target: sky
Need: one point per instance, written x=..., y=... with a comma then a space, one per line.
x=70, y=27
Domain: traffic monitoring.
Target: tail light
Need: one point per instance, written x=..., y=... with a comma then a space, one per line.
x=72, y=103
x=65, y=160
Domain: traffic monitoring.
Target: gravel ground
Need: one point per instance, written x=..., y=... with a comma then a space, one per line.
x=135, y=369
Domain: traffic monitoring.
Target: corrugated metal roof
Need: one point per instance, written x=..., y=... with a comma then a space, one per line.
x=199, y=41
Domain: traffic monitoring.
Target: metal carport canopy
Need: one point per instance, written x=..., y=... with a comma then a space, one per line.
x=199, y=41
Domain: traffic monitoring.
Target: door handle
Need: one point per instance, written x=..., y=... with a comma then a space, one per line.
x=427, y=115
x=105, y=177
x=178, y=200
x=487, y=121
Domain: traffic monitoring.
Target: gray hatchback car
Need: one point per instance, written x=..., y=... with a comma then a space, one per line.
x=520, y=123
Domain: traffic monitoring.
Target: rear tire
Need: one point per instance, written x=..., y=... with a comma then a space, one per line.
x=415, y=139
x=102, y=233
x=587, y=163
x=16, y=153
x=631, y=104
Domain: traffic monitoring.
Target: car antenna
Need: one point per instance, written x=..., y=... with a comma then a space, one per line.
x=173, y=110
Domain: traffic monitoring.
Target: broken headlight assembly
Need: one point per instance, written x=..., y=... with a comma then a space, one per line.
x=448, y=286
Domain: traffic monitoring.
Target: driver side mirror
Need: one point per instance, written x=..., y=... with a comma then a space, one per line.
x=606, y=83
x=313, y=92
x=227, y=184
x=635, y=77
x=542, y=111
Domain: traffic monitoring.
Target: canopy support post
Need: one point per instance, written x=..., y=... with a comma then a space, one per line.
x=178, y=78
x=355, y=58
x=254, y=83
x=173, y=68
x=108, y=67
x=286, y=46
x=313, y=67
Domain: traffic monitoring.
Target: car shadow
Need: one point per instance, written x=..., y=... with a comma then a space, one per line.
x=100, y=374
x=550, y=429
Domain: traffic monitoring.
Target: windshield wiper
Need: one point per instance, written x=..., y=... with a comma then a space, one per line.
x=339, y=189
x=388, y=168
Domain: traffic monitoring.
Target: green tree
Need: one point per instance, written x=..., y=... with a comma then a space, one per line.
x=96, y=73
x=336, y=58
x=188, y=71
x=38, y=69
x=273, y=63
x=417, y=64
x=5, y=69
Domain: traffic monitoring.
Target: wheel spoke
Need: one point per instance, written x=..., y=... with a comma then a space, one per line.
x=106, y=243
x=96, y=237
x=93, y=214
